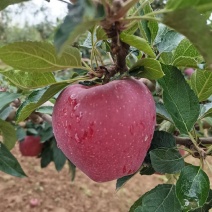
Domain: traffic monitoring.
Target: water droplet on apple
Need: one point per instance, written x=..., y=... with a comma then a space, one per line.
x=69, y=127
x=72, y=100
x=76, y=106
x=73, y=96
x=78, y=119
x=142, y=125
x=146, y=137
x=77, y=138
x=64, y=111
x=72, y=115
x=132, y=130
x=129, y=172
x=124, y=169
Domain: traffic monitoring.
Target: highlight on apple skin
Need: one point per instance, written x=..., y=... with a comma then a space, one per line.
x=105, y=130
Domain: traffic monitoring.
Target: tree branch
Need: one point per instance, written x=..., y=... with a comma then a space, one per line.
x=186, y=141
x=46, y=117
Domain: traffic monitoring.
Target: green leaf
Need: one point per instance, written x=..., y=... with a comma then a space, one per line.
x=9, y=164
x=201, y=83
x=162, y=112
x=148, y=29
x=121, y=181
x=58, y=157
x=37, y=98
x=132, y=28
x=45, y=109
x=147, y=68
x=20, y=133
x=205, y=110
x=186, y=49
x=8, y=133
x=7, y=98
x=138, y=42
x=192, y=24
x=166, y=58
x=162, y=198
x=166, y=160
x=72, y=170
x=101, y=34
x=46, y=133
x=147, y=170
x=39, y=57
x=46, y=157
x=167, y=40
x=29, y=80
x=162, y=139
x=207, y=206
x=5, y=112
x=185, y=62
x=180, y=101
x=205, y=5
x=192, y=187
x=185, y=55
x=82, y=16
x=153, y=27
x=5, y=3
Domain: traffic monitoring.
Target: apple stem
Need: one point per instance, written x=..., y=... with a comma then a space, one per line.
x=119, y=50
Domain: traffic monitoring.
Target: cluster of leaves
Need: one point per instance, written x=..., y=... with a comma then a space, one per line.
x=157, y=53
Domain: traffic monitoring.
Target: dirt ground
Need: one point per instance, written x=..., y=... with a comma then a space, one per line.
x=46, y=190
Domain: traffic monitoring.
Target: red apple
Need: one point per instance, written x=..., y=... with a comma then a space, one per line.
x=30, y=146
x=105, y=130
x=189, y=71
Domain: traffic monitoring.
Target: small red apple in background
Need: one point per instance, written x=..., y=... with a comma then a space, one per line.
x=189, y=71
x=105, y=130
x=30, y=146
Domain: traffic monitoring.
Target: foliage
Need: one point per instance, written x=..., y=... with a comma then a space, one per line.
x=100, y=41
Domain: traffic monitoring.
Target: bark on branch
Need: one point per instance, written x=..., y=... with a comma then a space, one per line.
x=186, y=141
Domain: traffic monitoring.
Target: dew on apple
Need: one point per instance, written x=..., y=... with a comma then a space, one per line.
x=125, y=144
x=131, y=129
x=124, y=169
x=73, y=96
x=76, y=106
x=77, y=138
x=78, y=119
x=69, y=127
x=64, y=111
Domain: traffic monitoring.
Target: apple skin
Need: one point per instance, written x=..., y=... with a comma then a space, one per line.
x=105, y=130
x=189, y=71
x=30, y=146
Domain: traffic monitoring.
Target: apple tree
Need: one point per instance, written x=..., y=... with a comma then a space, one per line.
x=123, y=89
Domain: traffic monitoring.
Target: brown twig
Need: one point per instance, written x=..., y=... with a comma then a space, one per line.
x=46, y=117
x=186, y=141
x=119, y=50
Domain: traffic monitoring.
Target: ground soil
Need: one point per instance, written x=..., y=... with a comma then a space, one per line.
x=46, y=190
